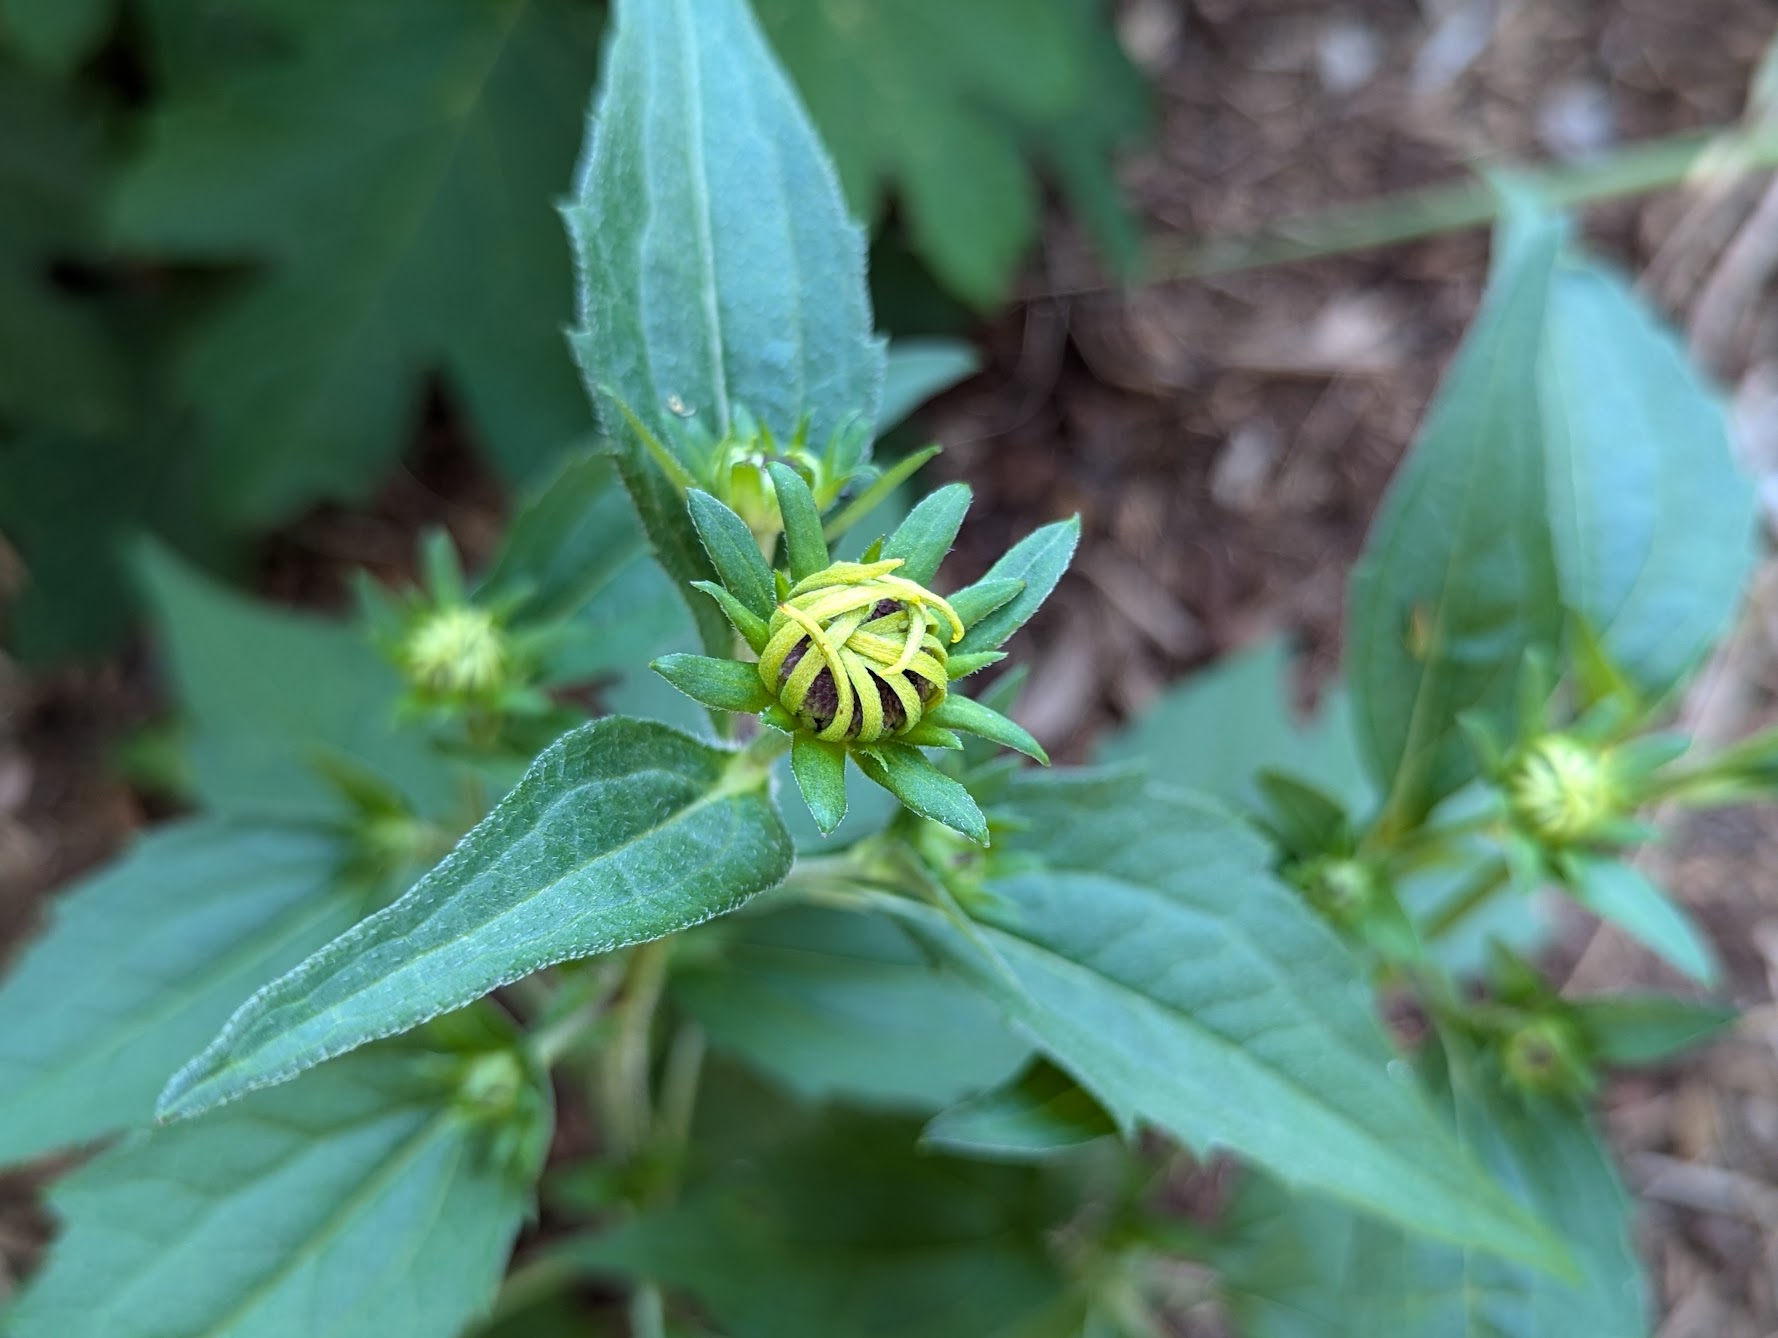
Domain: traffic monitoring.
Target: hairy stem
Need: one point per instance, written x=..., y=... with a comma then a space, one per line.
x=627, y=1104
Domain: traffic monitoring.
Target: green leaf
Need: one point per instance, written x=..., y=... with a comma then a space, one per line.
x=1305, y=821
x=1039, y=559
x=734, y=552
x=906, y=774
x=1633, y=1029
x=142, y=962
x=704, y=214
x=820, y=770
x=926, y=536
x=1217, y=730
x=726, y=685
x=569, y=540
x=961, y=713
x=621, y=831
x=394, y=165
x=274, y=696
x=1043, y=1113
x=1458, y=580
x=754, y=630
x=359, y=1202
x=937, y=104
x=1148, y=950
x=1303, y=1267
x=918, y=369
x=1625, y=896
x=54, y=34
x=845, y=1228
x=1638, y=453
x=835, y=1005
x=976, y=602
x=803, y=541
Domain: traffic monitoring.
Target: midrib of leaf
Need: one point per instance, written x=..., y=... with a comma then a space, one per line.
x=142, y=1021
x=1414, y=762
x=362, y=1193
x=692, y=71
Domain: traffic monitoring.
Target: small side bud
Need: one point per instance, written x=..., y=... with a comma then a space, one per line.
x=1563, y=792
x=1547, y=1056
x=457, y=652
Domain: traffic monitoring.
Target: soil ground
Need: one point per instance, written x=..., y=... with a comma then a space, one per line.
x=1226, y=442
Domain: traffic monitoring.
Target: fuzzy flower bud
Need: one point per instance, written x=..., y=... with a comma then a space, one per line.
x=1563, y=792
x=457, y=651
x=858, y=653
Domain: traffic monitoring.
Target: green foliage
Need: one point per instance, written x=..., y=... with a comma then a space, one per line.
x=554, y=873
x=1077, y=984
x=363, y=1201
x=844, y=1228
x=141, y=964
x=962, y=97
x=390, y=167
x=1458, y=581
x=1303, y=1268
x=833, y=1005
x=1149, y=952
x=275, y=699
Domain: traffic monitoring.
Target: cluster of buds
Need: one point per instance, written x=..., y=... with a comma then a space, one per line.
x=859, y=660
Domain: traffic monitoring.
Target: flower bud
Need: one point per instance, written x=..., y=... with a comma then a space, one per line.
x=1563, y=792
x=1547, y=1055
x=457, y=651
x=856, y=653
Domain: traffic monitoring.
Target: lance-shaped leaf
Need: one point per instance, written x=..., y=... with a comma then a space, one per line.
x=820, y=771
x=141, y=964
x=1629, y=899
x=1147, y=948
x=735, y=553
x=961, y=713
x=1639, y=455
x=804, y=544
x=1458, y=578
x=1039, y=559
x=361, y=1202
x=904, y=771
x=923, y=539
x=621, y=831
x=1303, y=1267
x=704, y=216
x=725, y=685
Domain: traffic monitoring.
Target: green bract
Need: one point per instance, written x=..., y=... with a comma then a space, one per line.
x=858, y=657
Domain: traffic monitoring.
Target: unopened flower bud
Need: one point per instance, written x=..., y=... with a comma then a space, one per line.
x=857, y=653
x=1563, y=792
x=457, y=652
x=1546, y=1055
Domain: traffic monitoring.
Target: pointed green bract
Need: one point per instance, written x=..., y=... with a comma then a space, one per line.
x=360, y=1202
x=753, y=629
x=727, y=685
x=803, y=541
x=962, y=666
x=1625, y=896
x=975, y=602
x=734, y=551
x=820, y=771
x=878, y=492
x=622, y=831
x=923, y=539
x=905, y=773
x=1647, y=1028
x=957, y=712
x=1039, y=559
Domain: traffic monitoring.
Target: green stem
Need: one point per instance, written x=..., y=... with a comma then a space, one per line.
x=1476, y=894
x=1636, y=170
x=648, y=1312
x=679, y=1085
x=628, y=1106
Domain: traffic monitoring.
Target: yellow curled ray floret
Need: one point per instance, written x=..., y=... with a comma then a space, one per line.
x=877, y=658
